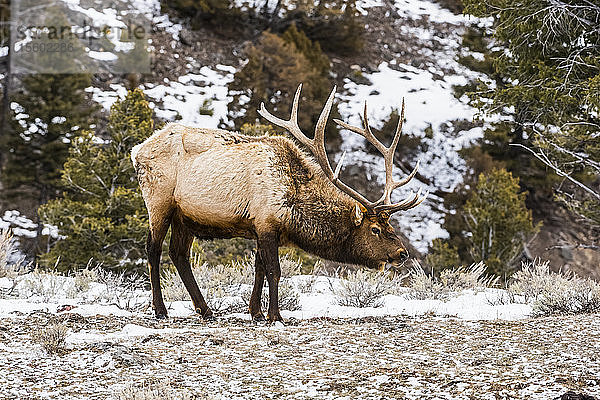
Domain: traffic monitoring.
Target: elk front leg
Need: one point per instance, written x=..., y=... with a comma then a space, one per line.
x=268, y=255
x=179, y=251
x=255, y=298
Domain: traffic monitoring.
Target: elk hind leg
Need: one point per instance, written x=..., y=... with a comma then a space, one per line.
x=255, y=298
x=179, y=251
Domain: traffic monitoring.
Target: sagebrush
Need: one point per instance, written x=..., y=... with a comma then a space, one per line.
x=227, y=287
x=425, y=286
x=363, y=288
x=52, y=338
x=553, y=293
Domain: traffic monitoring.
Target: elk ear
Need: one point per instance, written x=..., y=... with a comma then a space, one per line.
x=358, y=215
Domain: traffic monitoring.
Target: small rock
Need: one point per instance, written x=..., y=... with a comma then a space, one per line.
x=187, y=37
x=65, y=307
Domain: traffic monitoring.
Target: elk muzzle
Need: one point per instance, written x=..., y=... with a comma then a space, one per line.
x=398, y=257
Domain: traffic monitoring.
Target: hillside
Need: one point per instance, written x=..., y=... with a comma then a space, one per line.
x=411, y=51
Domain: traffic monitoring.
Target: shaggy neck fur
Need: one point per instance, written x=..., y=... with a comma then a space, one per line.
x=320, y=220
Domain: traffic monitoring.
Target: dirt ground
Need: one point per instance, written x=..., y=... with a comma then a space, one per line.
x=372, y=358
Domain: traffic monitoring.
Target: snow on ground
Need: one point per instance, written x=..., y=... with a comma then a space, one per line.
x=461, y=348
x=196, y=99
x=383, y=358
x=50, y=293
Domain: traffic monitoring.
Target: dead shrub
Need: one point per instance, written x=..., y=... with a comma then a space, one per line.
x=51, y=338
x=159, y=390
x=429, y=287
x=553, y=293
x=363, y=288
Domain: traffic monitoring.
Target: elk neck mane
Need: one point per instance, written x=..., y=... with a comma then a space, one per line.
x=319, y=215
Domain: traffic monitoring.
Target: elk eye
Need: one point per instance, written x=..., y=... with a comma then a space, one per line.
x=375, y=231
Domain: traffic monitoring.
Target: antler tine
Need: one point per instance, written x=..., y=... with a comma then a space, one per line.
x=317, y=144
x=364, y=132
x=411, y=201
x=336, y=174
x=290, y=125
x=385, y=202
x=398, y=133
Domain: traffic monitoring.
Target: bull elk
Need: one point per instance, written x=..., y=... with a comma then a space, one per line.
x=212, y=183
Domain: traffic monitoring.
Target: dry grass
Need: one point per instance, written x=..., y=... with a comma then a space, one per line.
x=553, y=293
x=425, y=287
x=362, y=288
x=160, y=390
x=360, y=358
x=227, y=288
x=7, y=249
x=51, y=338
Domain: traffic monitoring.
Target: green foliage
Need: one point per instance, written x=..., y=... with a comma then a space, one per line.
x=53, y=108
x=310, y=50
x=334, y=24
x=442, y=256
x=48, y=110
x=478, y=162
x=102, y=214
x=206, y=108
x=221, y=15
x=497, y=221
x=547, y=82
x=273, y=71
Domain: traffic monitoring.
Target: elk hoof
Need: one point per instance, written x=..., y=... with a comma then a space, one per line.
x=274, y=318
x=160, y=311
x=258, y=317
x=207, y=315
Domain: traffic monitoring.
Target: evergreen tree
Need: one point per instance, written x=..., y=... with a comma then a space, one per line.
x=102, y=215
x=310, y=50
x=334, y=24
x=442, y=256
x=497, y=223
x=5, y=70
x=549, y=61
x=275, y=68
x=49, y=109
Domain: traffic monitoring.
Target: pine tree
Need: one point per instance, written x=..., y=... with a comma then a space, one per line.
x=548, y=59
x=334, y=24
x=275, y=68
x=48, y=110
x=6, y=83
x=102, y=215
x=497, y=223
x=442, y=256
x=311, y=50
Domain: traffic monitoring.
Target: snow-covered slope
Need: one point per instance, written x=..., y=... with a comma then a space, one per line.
x=427, y=89
x=198, y=96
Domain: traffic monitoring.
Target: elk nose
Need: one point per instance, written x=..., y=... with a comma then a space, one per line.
x=401, y=255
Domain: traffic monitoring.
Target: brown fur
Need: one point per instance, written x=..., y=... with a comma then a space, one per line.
x=212, y=183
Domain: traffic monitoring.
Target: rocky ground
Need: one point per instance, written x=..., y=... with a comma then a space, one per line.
x=371, y=358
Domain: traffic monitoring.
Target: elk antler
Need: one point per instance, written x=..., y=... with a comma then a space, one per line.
x=384, y=203
x=317, y=148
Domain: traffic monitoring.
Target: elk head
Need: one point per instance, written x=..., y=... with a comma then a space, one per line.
x=373, y=240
